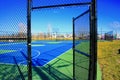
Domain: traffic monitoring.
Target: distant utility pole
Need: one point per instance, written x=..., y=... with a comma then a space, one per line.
x=101, y=32
x=56, y=30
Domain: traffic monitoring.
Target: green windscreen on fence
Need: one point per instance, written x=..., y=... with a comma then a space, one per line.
x=82, y=46
x=13, y=40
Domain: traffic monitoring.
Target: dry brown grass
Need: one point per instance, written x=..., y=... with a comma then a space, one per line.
x=109, y=59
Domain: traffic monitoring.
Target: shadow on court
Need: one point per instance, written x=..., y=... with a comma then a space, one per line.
x=13, y=71
x=49, y=72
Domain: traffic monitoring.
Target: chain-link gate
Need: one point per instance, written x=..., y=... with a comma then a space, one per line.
x=81, y=42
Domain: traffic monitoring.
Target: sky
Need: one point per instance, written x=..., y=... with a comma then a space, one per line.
x=108, y=15
x=60, y=18
x=13, y=13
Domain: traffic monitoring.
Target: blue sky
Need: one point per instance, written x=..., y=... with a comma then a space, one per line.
x=60, y=18
x=14, y=13
x=108, y=15
x=11, y=15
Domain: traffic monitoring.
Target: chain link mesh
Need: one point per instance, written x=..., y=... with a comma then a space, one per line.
x=13, y=40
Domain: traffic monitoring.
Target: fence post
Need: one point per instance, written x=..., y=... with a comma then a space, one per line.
x=93, y=42
x=29, y=39
x=73, y=49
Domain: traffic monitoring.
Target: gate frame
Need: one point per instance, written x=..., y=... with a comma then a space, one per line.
x=93, y=36
x=74, y=50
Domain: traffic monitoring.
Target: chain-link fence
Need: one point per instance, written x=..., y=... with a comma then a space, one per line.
x=29, y=51
x=13, y=40
x=108, y=35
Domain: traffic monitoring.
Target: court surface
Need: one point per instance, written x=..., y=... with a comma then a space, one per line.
x=42, y=52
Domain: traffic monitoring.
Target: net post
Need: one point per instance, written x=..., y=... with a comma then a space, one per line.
x=29, y=39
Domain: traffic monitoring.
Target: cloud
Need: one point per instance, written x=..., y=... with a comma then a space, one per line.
x=62, y=8
x=57, y=10
x=115, y=25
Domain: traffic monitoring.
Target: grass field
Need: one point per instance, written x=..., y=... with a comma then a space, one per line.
x=109, y=59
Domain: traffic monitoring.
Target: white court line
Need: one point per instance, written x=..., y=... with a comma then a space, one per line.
x=48, y=61
x=10, y=44
x=15, y=50
x=32, y=58
x=37, y=52
x=36, y=57
x=56, y=57
x=20, y=49
x=22, y=62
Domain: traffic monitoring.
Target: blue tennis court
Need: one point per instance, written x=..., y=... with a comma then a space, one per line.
x=42, y=52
